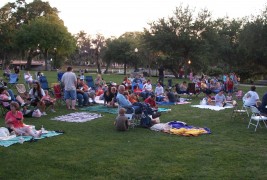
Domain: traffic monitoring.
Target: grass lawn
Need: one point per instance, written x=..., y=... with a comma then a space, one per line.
x=95, y=150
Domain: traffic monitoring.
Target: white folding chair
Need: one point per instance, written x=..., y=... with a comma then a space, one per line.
x=256, y=116
x=239, y=111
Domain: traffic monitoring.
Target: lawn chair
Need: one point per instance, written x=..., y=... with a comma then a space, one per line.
x=59, y=76
x=192, y=89
x=90, y=81
x=27, y=82
x=237, y=111
x=13, y=79
x=44, y=84
x=21, y=89
x=256, y=116
x=58, y=94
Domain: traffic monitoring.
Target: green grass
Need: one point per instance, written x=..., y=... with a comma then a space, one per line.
x=95, y=150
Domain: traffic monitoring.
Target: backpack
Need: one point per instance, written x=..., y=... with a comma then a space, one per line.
x=145, y=121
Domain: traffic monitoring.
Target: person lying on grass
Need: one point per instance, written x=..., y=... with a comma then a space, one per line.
x=14, y=121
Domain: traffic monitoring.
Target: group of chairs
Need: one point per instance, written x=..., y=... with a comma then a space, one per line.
x=252, y=113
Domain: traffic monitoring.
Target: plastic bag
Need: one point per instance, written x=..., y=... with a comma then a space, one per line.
x=36, y=113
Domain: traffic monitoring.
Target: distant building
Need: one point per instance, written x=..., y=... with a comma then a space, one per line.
x=36, y=65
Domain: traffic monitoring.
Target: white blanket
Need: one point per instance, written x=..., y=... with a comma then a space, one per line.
x=215, y=108
x=77, y=117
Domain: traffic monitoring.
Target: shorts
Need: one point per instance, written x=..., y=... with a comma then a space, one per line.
x=70, y=94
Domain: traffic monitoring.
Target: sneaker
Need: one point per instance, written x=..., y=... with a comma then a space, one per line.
x=52, y=110
x=44, y=114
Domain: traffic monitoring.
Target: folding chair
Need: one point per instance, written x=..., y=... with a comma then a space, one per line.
x=21, y=89
x=59, y=76
x=44, y=84
x=26, y=82
x=256, y=116
x=90, y=81
x=239, y=111
x=13, y=79
x=58, y=94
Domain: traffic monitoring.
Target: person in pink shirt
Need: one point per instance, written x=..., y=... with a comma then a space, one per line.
x=14, y=121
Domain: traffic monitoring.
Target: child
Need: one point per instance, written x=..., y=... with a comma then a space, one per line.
x=239, y=94
x=49, y=101
x=229, y=97
x=122, y=122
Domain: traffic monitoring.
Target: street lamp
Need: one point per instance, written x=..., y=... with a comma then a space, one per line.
x=136, y=50
x=189, y=62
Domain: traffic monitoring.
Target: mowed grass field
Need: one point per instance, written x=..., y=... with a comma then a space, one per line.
x=95, y=150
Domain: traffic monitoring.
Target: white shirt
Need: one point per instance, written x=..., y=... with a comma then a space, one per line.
x=159, y=90
x=28, y=77
x=69, y=80
x=147, y=87
x=250, y=98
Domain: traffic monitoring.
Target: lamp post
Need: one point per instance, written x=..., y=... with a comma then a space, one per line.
x=189, y=62
x=135, y=51
x=55, y=58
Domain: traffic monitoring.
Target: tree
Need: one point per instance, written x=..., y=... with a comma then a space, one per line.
x=43, y=34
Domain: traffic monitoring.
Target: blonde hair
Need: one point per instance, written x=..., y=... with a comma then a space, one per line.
x=122, y=111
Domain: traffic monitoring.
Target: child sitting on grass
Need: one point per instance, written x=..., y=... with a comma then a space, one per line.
x=49, y=101
x=122, y=122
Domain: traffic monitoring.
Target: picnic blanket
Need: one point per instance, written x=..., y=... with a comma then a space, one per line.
x=164, y=103
x=215, y=108
x=77, y=117
x=163, y=110
x=98, y=101
x=16, y=139
x=101, y=108
x=180, y=128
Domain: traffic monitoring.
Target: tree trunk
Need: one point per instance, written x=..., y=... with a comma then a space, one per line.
x=29, y=60
x=107, y=66
x=45, y=57
x=125, y=65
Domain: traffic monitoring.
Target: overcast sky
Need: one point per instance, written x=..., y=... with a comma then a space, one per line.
x=114, y=17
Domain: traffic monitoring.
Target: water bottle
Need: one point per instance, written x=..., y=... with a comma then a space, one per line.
x=21, y=139
x=42, y=129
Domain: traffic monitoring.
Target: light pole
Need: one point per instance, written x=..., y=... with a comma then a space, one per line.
x=55, y=58
x=135, y=51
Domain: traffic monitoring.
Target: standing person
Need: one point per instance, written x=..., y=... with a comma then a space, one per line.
x=69, y=80
x=191, y=76
x=161, y=74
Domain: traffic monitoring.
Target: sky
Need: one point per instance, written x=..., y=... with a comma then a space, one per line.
x=115, y=17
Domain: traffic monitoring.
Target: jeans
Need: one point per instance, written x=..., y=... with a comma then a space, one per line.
x=82, y=99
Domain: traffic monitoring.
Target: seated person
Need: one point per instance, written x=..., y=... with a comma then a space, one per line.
x=147, y=89
x=49, y=101
x=110, y=96
x=229, y=97
x=127, y=83
x=82, y=96
x=28, y=77
x=151, y=100
x=263, y=105
x=122, y=122
x=99, y=82
x=6, y=96
x=239, y=94
x=220, y=99
x=91, y=93
x=183, y=88
x=136, y=89
x=133, y=98
x=137, y=79
x=170, y=98
x=251, y=97
x=36, y=93
x=159, y=92
x=215, y=87
x=7, y=72
x=14, y=121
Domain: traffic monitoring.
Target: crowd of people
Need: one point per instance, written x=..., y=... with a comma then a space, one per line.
x=134, y=93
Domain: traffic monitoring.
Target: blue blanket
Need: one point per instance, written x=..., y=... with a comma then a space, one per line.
x=15, y=140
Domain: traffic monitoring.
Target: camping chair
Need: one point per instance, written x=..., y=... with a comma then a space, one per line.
x=192, y=89
x=13, y=79
x=44, y=84
x=90, y=81
x=59, y=76
x=256, y=116
x=22, y=92
x=58, y=94
x=26, y=82
x=239, y=111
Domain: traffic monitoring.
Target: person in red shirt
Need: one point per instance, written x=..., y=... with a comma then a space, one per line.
x=151, y=100
x=14, y=121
